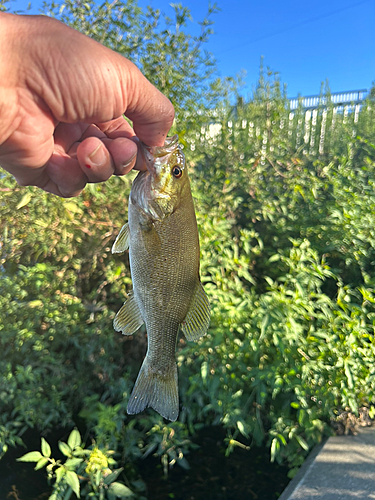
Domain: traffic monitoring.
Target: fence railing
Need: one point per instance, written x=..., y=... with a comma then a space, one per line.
x=346, y=98
x=314, y=129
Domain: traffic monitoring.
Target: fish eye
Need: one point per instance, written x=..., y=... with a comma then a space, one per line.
x=177, y=171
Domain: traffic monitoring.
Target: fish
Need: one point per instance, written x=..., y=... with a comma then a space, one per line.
x=167, y=296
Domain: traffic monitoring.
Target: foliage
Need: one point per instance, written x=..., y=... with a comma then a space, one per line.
x=85, y=472
x=286, y=212
x=293, y=342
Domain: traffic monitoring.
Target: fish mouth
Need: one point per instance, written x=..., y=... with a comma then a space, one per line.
x=155, y=157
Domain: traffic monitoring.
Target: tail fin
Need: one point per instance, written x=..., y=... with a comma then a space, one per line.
x=159, y=392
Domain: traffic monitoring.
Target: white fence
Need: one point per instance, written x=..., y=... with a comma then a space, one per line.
x=340, y=99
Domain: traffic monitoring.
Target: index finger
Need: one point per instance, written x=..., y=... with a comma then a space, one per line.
x=151, y=112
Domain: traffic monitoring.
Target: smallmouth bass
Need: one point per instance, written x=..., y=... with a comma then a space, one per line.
x=162, y=238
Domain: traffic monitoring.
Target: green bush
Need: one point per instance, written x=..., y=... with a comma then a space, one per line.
x=91, y=467
x=286, y=212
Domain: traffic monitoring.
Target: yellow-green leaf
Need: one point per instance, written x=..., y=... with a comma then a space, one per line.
x=302, y=442
x=46, y=449
x=34, y=303
x=65, y=449
x=32, y=456
x=73, y=481
x=60, y=472
x=41, y=463
x=24, y=200
x=74, y=439
x=120, y=490
x=204, y=371
x=275, y=446
x=72, y=207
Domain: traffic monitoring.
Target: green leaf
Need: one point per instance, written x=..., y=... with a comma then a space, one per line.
x=68, y=493
x=24, y=200
x=32, y=456
x=204, y=371
x=120, y=490
x=72, y=207
x=78, y=451
x=269, y=280
x=113, y=476
x=275, y=446
x=65, y=449
x=72, y=463
x=46, y=449
x=293, y=472
x=182, y=462
x=41, y=463
x=60, y=472
x=302, y=442
x=274, y=258
x=282, y=439
x=264, y=325
x=34, y=303
x=73, y=481
x=348, y=374
x=241, y=428
x=74, y=439
x=98, y=478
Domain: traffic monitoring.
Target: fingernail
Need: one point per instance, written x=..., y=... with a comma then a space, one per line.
x=125, y=165
x=98, y=157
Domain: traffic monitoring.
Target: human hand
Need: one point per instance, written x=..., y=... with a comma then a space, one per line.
x=62, y=97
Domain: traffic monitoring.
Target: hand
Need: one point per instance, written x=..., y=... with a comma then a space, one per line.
x=62, y=97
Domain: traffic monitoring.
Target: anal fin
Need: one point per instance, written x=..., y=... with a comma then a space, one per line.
x=129, y=318
x=197, y=319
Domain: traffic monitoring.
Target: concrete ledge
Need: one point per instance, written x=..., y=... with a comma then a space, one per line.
x=342, y=468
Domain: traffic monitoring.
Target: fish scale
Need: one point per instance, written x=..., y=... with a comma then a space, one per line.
x=167, y=296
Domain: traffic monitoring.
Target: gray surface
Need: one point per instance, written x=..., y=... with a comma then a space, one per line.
x=343, y=468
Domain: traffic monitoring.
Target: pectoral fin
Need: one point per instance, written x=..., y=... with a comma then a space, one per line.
x=121, y=243
x=129, y=318
x=197, y=319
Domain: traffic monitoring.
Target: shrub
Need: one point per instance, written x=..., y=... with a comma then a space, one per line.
x=285, y=211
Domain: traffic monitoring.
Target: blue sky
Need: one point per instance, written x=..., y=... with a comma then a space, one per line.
x=305, y=41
